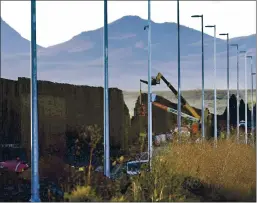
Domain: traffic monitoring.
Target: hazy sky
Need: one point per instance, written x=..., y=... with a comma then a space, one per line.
x=58, y=21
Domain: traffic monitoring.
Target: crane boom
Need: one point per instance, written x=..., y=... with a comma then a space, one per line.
x=183, y=101
x=174, y=111
x=153, y=81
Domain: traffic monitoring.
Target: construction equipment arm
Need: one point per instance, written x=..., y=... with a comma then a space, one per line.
x=174, y=111
x=183, y=101
x=153, y=82
x=146, y=82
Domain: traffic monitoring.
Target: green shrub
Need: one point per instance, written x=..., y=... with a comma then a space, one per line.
x=83, y=194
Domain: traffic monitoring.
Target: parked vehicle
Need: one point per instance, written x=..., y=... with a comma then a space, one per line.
x=249, y=125
x=134, y=167
x=13, y=158
x=17, y=165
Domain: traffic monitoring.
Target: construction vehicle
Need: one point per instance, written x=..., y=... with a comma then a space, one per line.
x=134, y=167
x=194, y=117
x=142, y=107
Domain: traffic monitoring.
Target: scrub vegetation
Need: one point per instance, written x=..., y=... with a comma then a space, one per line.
x=188, y=172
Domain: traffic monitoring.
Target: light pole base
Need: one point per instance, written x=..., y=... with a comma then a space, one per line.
x=35, y=198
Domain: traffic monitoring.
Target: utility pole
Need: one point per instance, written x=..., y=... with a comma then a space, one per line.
x=106, y=97
x=228, y=110
x=149, y=86
x=252, y=117
x=246, y=99
x=179, y=77
x=215, y=91
x=34, y=108
x=203, y=130
x=237, y=92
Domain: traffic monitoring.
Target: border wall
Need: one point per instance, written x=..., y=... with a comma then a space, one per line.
x=61, y=107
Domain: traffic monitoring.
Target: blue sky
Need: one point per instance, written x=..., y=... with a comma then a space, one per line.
x=58, y=21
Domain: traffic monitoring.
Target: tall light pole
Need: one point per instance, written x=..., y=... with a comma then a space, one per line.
x=228, y=110
x=215, y=91
x=201, y=16
x=179, y=77
x=246, y=99
x=106, y=97
x=149, y=86
x=237, y=92
x=252, y=117
x=252, y=74
x=34, y=108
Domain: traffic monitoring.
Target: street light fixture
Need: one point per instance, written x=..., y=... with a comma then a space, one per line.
x=228, y=110
x=252, y=74
x=246, y=99
x=253, y=112
x=149, y=82
x=179, y=77
x=237, y=93
x=215, y=91
x=149, y=87
x=196, y=16
x=35, y=197
x=107, y=169
x=203, y=133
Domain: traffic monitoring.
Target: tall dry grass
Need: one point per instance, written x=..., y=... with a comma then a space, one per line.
x=230, y=167
x=225, y=173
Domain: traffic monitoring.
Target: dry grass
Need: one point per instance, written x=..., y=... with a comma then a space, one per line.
x=225, y=173
x=83, y=194
x=230, y=167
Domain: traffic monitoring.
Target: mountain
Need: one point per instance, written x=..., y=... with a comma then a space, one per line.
x=80, y=60
x=12, y=42
x=245, y=43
